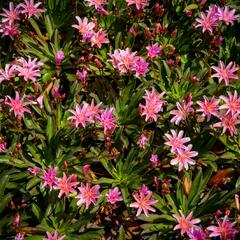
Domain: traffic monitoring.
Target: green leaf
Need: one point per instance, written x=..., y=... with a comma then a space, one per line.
x=191, y=7
x=4, y=201
x=3, y=182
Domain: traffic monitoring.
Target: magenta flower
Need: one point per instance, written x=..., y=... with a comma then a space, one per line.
x=140, y=67
x=143, y=140
x=98, y=4
x=8, y=73
x=232, y=104
x=19, y=236
x=207, y=22
x=29, y=70
x=114, y=195
x=140, y=4
x=197, y=233
x=176, y=141
x=184, y=157
x=30, y=8
x=225, y=73
x=228, y=122
x=154, y=160
x=185, y=223
x=99, y=38
x=34, y=170
x=3, y=147
x=154, y=50
x=66, y=185
x=107, y=120
x=183, y=111
x=49, y=177
x=85, y=168
x=153, y=105
x=225, y=229
x=208, y=107
x=10, y=15
x=18, y=106
x=82, y=76
x=227, y=15
x=143, y=203
x=93, y=111
x=59, y=57
x=84, y=27
x=144, y=190
x=53, y=237
x=9, y=29
x=88, y=194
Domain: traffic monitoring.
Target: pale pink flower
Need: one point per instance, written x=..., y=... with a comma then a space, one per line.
x=228, y=122
x=225, y=229
x=176, y=141
x=183, y=111
x=10, y=15
x=34, y=170
x=107, y=120
x=143, y=203
x=225, y=73
x=140, y=67
x=154, y=160
x=29, y=70
x=99, y=38
x=208, y=107
x=185, y=223
x=143, y=140
x=114, y=195
x=207, y=22
x=8, y=73
x=3, y=147
x=153, y=105
x=66, y=185
x=82, y=76
x=232, y=104
x=9, y=29
x=84, y=27
x=19, y=236
x=140, y=4
x=154, y=50
x=93, y=110
x=197, y=233
x=30, y=8
x=184, y=157
x=59, y=57
x=54, y=236
x=40, y=101
x=88, y=194
x=81, y=115
x=227, y=15
x=17, y=105
x=49, y=177
x=98, y=4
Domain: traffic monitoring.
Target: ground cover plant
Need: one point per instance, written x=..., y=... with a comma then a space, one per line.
x=119, y=119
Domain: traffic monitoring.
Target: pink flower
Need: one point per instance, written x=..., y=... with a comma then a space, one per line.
x=197, y=233
x=82, y=76
x=107, y=120
x=9, y=29
x=93, y=111
x=49, y=177
x=3, y=147
x=19, y=236
x=98, y=4
x=154, y=160
x=53, y=237
x=34, y=170
x=66, y=185
x=81, y=115
x=143, y=203
x=207, y=22
x=225, y=229
x=99, y=38
x=8, y=73
x=30, y=8
x=114, y=195
x=140, y=4
x=225, y=73
x=88, y=195
x=228, y=122
x=154, y=104
x=184, y=157
x=227, y=15
x=144, y=190
x=85, y=168
x=29, y=70
x=40, y=101
x=17, y=105
x=183, y=111
x=84, y=27
x=208, y=107
x=143, y=140
x=10, y=15
x=176, y=141
x=232, y=104
x=185, y=223
x=140, y=66
x=59, y=57
x=154, y=50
